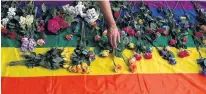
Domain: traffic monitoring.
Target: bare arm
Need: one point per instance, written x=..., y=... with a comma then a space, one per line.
x=113, y=33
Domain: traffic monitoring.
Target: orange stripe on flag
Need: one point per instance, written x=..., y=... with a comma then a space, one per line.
x=107, y=84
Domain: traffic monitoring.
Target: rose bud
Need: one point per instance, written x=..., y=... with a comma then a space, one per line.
x=148, y=56
x=138, y=56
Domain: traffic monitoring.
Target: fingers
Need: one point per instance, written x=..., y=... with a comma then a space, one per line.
x=114, y=41
x=110, y=40
x=118, y=37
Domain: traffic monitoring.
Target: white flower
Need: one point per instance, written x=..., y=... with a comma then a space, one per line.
x=4, y=21
x=79, y=8
x=167, y=48
x=11, y=12
x=22, y=22
x=66, y=7
x=91, y=15
x=29, y=20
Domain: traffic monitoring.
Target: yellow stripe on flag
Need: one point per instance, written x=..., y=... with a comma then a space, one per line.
x=101, y=66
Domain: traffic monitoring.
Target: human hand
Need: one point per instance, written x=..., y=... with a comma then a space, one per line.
x=113, y=35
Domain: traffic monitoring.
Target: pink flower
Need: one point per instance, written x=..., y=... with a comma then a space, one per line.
x=148, y=56
x=69, y=36
x=61, y=21
x=172, y=42
x=138, y=33
x=53, y=26
x=131, y=32
x=181, y=54
x=138, y=56
x=116, y=14
x=126, y=29
x=4, y=30
x=149, y=31
x=40, y=28
x=165, y=33
x=160, y=30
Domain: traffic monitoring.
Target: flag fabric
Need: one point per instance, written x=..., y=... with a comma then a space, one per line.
x=154, y=76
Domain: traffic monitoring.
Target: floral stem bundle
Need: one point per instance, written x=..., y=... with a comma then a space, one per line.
x=50, y=60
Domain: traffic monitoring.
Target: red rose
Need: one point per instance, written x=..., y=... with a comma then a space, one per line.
x=137, y=56
x=116, y=14
x=185, y=40
x=131, y=32
x=149, y=31
x=186, y=53
x=181, y=54
x=198, y=34
x=53, y=26
x=160, y=30
x=172, y=42
x=4, y=30
x=12, y=35
x=126, y=29
x=148, y=56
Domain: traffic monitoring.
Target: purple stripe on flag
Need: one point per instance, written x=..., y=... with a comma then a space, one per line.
x=152, y=4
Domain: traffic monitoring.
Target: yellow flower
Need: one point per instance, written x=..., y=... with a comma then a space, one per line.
x=140, y=21
x=105, y=53
x=66, y=65
x=65, y=51
x=131, y=46
x=204, y=41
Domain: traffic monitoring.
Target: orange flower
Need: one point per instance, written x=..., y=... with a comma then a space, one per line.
x=84, y=66
x=79, y=68
x=87, y=71
x=73, y=68
x=133, y=68
x=118, y=68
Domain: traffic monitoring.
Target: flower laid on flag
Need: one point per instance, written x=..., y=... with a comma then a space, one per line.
x=91, y=15
x=11, y=12
x=4, y=21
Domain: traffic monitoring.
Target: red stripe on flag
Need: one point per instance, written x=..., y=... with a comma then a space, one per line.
x=107, y=84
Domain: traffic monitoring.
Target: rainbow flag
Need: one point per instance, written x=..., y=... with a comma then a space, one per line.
x=154, y=76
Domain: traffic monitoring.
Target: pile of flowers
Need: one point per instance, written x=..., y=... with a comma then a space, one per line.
x=167, y=54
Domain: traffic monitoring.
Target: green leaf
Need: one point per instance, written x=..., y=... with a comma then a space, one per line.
x=116, y=8
x=43, y=8
x=70, y=19
x=77, y=29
